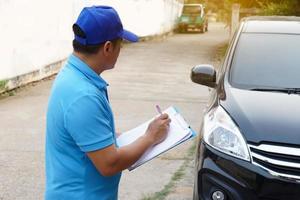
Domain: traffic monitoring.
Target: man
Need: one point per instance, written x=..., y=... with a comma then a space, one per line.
x=82, y=158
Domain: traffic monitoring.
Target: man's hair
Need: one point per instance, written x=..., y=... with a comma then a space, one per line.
x=87, y=49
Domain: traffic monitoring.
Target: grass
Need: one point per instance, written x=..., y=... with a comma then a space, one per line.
x=3, y=84
x=7, y=94
x=3, y=90
x=15, y=91
x=191, y=151
x=161, y=195
x=221, y=51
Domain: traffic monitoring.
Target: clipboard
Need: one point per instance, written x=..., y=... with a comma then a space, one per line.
x=179, y=132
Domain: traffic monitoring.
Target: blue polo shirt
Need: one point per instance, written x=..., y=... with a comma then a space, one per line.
x=79, y=120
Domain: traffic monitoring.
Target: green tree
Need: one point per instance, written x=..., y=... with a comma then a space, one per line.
x=267, y=7
x=283, y=7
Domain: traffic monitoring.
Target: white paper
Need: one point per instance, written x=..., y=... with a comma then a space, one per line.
x=179, y=131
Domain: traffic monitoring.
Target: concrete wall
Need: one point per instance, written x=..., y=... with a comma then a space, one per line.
x=37, y=33
x=145, y=17
x=34, y=33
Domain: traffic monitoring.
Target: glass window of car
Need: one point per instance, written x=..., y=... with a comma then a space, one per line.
x=266, y=61
x=192, y=10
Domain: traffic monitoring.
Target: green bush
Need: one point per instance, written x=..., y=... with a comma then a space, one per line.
x=283, y=8
x=266, y=7
x=3, y=84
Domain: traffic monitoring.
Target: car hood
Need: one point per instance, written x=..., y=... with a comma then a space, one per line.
x=264, y=116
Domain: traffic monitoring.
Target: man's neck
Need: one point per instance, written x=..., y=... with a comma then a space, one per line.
x=91, y=61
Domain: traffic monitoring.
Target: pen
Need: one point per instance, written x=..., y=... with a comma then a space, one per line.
x=158, y=109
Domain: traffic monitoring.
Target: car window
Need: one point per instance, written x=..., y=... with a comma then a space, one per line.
x=191, y=10
x=266, y=60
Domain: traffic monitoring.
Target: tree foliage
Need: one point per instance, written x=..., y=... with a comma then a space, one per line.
x=287, y=7
x=268, y=7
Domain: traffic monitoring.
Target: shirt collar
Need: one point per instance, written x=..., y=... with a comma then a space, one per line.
x=81, y=66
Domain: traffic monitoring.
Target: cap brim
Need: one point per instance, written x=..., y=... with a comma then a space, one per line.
x=129, y=36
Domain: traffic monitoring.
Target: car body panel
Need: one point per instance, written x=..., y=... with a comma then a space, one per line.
x=264, y=116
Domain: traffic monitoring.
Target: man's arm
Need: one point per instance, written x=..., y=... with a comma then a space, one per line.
x=112, y=160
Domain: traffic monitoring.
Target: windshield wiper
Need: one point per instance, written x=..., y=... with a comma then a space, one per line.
x=283, y=90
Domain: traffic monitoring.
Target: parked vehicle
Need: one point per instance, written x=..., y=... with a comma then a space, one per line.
x=193, y=18
x=249, y=145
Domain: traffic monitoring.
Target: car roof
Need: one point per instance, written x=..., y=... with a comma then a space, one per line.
x=272, y=24
x=193, y=4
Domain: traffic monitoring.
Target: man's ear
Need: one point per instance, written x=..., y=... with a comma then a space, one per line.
x=107, y=48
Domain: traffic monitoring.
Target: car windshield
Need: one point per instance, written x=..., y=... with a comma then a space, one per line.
x=191, y=10
x=266, y=61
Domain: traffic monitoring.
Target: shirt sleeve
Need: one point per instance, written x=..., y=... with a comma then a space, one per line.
x=88, y=122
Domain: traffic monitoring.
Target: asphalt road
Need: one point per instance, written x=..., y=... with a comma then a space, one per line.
x=147, y=73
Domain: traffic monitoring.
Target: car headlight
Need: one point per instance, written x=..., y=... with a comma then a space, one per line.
x=221, y=133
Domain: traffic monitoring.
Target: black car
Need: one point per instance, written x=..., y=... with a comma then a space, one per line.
x=249, y=145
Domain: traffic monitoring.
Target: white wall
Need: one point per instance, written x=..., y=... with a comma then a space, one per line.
x=145, y=17
x=35, y=33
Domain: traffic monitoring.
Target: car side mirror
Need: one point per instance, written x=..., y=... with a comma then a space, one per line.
x=204, y=75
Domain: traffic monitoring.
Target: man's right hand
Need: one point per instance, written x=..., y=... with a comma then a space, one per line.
x=112, y=160
x=158, y=129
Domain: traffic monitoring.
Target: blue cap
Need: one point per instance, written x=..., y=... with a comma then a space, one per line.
x=101, y=24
